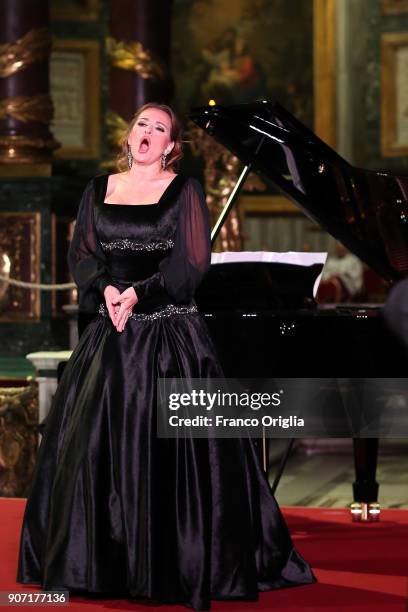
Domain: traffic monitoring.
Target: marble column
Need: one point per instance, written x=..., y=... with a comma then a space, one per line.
x=139, y=53
x=26, y=109
x=46, y=366
x=352, y=29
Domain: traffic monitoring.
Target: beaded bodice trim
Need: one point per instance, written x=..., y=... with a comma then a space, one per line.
x=167, y=311
x=125, y=244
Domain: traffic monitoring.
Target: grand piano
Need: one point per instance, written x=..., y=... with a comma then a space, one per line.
x=365, y=210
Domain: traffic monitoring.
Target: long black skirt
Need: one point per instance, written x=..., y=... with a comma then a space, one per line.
x=115, y=509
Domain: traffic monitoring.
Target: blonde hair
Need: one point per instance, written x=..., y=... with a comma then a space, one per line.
x=175, y=136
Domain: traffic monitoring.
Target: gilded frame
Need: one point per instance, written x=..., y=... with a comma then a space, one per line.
x=325, y=70
x=27, y=230
x=394, y=7
x=391, y=44
x=90, y=50
x=267, y=205
x=89, y=13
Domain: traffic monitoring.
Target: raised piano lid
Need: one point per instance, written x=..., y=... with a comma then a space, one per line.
x=365, y=210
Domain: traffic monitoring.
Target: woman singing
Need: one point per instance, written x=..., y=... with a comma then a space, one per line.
x=114, y=509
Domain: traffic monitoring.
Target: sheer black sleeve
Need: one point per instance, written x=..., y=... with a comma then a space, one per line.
x=182, y=271
x=86, y=259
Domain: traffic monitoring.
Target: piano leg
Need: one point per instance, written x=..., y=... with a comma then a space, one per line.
x=262, y=450
x=282, y=464
x=262, y=447
x=365, y=487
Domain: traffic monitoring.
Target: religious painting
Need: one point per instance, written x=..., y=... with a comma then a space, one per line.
x=238, y=52
x=20, y=260
x=394, y=94
x=394, y=7
x=242, y=51
x=75, y=87
x=75, y=10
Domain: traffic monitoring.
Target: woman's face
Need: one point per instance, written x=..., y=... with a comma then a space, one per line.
x=150, y=136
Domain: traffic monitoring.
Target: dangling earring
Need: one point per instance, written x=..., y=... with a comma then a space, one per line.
x=129, y=157
x=163, y=161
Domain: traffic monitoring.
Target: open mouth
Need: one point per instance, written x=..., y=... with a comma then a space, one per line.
x=144, y=145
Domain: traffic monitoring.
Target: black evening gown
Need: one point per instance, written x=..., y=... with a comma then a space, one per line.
x=113, y=508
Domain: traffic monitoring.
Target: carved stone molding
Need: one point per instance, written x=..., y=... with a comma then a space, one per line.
x=25, y=107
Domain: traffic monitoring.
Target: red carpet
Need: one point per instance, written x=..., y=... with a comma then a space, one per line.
x=359, y=567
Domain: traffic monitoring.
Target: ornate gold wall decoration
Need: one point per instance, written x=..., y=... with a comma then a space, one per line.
x=220, y=174
x=27, y=141
x=116, y=127
x=27, y=108
x=20, y=242
x=134, y=57
x=32, y=47
x=18, y=438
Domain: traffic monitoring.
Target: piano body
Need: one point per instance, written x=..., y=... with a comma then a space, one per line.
x=365, y=210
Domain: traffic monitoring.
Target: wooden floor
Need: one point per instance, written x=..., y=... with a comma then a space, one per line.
x=321, y=474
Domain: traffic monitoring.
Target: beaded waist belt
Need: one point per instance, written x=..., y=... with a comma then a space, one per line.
x=167, y=311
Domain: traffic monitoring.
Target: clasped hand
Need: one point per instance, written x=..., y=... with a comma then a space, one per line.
x=120, y=305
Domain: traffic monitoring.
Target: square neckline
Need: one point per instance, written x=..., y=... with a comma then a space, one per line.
x=130, y=205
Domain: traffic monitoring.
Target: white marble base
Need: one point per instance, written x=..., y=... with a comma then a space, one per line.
x=46, y=364
x=71, y=311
